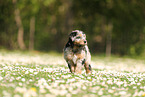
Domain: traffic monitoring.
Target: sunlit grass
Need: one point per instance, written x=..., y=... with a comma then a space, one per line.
x=47, y=75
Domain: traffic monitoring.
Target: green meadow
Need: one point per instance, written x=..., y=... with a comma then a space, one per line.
x=47, y=75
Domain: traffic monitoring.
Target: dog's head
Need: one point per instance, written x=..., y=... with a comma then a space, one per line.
x=78, y=38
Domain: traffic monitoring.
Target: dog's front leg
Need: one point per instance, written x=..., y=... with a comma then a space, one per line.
x=71, y=66
x=78, y=68
x=87, y=68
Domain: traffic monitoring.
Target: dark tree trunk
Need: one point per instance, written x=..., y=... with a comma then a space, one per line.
x=20, y=27
x=32, y=31
x=108, y=40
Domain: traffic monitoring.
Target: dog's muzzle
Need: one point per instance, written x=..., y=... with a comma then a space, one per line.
x=80, y=43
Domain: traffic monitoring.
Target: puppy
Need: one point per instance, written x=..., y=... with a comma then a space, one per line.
x=76, y=52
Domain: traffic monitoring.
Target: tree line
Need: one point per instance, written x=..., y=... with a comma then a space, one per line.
x=112, y=26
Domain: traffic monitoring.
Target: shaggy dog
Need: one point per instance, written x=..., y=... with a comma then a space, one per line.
x=76, y=52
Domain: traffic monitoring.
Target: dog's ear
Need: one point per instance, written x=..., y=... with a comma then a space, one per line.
x=69, y=43
x=70, y=40
x=72, y=36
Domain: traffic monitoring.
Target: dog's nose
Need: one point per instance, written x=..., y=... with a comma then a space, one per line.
x=85, y=41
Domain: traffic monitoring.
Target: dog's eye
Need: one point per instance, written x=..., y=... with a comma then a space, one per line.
x=78, y=37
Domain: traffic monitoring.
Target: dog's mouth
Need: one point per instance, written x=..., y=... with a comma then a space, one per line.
x=79, y=45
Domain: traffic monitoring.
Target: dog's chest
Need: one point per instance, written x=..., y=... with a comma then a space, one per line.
x=78, y=56
x=75, y=55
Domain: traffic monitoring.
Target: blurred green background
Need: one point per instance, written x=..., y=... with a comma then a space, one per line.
x=112, y=26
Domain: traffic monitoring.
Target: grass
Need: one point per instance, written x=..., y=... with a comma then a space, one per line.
x=47, y=75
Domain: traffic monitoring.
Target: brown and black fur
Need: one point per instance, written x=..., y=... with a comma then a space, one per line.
x=76, y=52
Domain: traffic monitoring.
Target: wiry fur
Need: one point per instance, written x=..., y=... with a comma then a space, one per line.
x=76, y=52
